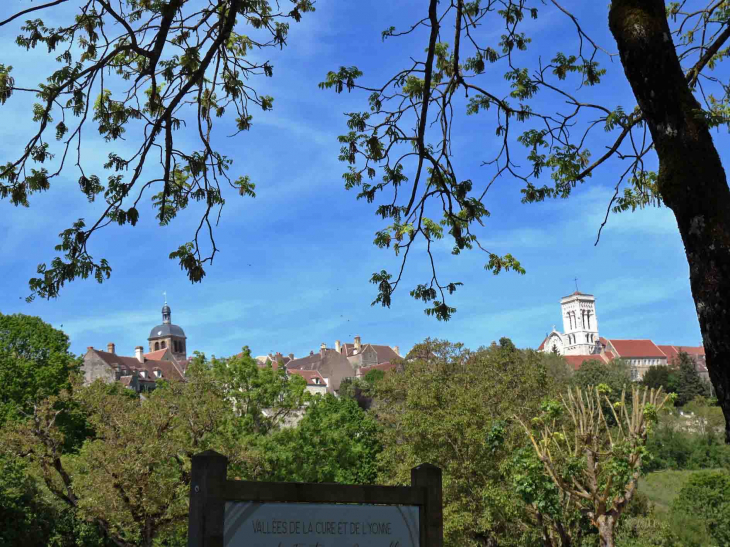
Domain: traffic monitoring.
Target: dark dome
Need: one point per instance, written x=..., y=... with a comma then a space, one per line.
x=165, y=330
x=165, y=309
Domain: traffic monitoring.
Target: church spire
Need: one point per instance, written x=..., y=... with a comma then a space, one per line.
x=166, y=314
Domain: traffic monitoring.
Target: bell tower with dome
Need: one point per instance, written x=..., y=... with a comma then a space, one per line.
x=167, y=335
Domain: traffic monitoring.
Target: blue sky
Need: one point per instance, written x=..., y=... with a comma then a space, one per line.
x=295, y=261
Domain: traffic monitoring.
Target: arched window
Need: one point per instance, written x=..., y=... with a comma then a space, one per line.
x=157, y=346
x=163, y=345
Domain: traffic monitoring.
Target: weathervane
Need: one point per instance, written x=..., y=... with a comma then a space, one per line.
x=576, y=285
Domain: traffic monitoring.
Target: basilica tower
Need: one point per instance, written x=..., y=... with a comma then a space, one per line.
x=169, y=336
x=580, y=324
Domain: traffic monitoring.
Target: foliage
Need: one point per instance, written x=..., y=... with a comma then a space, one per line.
x=546, y=116
x=645, y=531
x=335, y=441
x=707, y=494
x=616, y=375
x=594, y=464
x=689, y=441
x=132, y=478
x=144, y=69
x=451, y=407
x=263, y=397
x=689, y=383
x=34, y=363
x=661, y=376
x=23, y=515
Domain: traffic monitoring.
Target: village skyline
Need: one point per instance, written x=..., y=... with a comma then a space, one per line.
x=295, y=262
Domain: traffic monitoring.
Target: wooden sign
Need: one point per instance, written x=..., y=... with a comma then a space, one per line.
x=227, y=513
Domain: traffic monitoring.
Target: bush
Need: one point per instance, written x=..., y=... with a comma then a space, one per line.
x=645, y=531
x=706, y=497
x=673, y=449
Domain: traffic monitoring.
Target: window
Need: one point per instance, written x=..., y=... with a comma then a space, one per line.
x=164, y=345
x=174, y=346
x=158, y=373
x=634, y=374
x=157, y=346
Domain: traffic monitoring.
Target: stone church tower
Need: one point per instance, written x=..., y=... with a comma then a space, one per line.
x=168, y=335
x=580, y=325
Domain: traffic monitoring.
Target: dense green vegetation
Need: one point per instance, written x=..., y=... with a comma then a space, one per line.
x=98, y=466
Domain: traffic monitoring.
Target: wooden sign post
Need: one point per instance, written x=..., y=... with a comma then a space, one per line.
x=225, y=513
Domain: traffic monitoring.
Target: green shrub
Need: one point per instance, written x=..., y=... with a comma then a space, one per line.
x=706, y=498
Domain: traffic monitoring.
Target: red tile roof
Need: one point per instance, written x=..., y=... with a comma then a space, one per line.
x=384, y=353
x=156, y=355
x=310, y=376
x=692, y=350
x=670, y=351
x=577, y=360
x=542, y=345
x=169, y=369
x=636, y=348
x=126, y=380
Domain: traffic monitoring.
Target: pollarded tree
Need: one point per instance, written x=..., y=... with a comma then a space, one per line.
x=596, y=465
x=400, y=147
x=150, y=68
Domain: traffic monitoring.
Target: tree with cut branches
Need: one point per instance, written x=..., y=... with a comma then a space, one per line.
x=594, y=464
x=547, y=118
x=152, y=68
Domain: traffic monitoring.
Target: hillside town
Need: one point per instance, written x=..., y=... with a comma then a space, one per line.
x=282, y=273
x=324, y=369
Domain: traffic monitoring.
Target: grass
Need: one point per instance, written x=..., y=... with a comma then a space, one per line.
x=662, y=487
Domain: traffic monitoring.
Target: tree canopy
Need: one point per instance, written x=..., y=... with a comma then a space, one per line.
x=152, y=69
x=130, y=477
x=453, y=408
x=35, y=363
x=155, y=68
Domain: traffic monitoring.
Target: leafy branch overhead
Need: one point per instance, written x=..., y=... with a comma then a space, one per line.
x=146, y=70
x=400, y=149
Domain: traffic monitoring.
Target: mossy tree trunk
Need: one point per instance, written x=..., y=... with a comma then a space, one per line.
x=691, y=178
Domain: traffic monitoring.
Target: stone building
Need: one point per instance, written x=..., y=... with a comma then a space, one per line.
x=581, y=342
x=331, y=365
x=138, y=373
x=166, y=359
x=366, y=355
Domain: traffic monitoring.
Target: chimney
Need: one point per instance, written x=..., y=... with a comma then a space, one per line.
x=357, y=342
x=291, y=356
x=89, y=348
x=338, y=346
x=396, y=349
x=138, y=353
x=110, y=347
x=322, y=349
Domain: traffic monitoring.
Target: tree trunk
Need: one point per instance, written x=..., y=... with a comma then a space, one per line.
x=606, y=524
x=691, y=178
